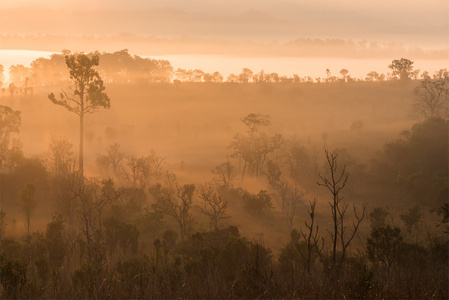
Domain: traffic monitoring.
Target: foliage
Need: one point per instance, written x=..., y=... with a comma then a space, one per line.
x=256, y=203
x=118, y=233
x=10, y=121
x=176, y=204
x=221, y=263
x=411, y=218
x=416, y=164
x=12, y=277
x=402, y=68
x=254, y=147
x=56, y=242
x=378, y=217
x=384, y=245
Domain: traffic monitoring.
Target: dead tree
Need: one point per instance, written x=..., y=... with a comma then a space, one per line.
x=432, y=97
x=311, y=236
x=335, y=183
x=212, y=205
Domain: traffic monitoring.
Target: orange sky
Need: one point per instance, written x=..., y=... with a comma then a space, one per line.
x=413, y=23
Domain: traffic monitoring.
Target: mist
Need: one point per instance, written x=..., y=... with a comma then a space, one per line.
x=218, y=150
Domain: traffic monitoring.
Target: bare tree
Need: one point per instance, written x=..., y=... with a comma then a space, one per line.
x=289, y=198
x=310, y=236
x=432, y=96
x=223, y=175
x=137, y=171
x=60, y=156
x=28, y=203
x=335, y=184
x=212, y=204
x=64, y=186
x=176, y=205
x=113, y=158
x=157, y=164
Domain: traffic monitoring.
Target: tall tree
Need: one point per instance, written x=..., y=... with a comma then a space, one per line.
x=87, y=95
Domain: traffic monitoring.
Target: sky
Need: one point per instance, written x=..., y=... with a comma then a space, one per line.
x=424, y=24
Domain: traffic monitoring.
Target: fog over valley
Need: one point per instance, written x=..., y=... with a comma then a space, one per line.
x=224, y=149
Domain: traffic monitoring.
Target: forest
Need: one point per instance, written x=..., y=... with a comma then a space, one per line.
x=122, y=178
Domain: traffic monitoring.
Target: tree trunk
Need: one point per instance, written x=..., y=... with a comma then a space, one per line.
x=81, y=158
x=243, y=172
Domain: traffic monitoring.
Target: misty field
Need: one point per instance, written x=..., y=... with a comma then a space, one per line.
x=195, y=122
x=190, y=128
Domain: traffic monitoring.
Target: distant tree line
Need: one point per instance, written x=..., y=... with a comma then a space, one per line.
x=124, y=68
x=117, y=67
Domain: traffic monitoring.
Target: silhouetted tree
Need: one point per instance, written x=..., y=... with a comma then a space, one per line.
x=372, y=76
x=411, y=218
x=18, y=74
x=87, y=96
x=432, y=96
x=245, y=145
x=402, y=68
x=28, y=204
x=2, y=76
x=344, y=74
x=60, y=156
x=212, y=204
x=378, y=217
x=176, y=204
x=137, y=171
x=57, y=247
x=335, y=183
x=224, y=175
x=232, y=78
x=289, y=198
x=9, y=124
x=245, y=76
x=113, y=158
x=2, y=224
x=384, y=245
